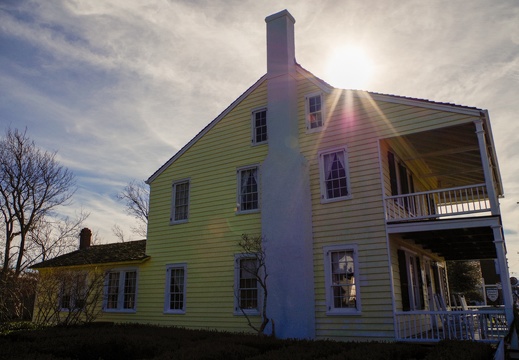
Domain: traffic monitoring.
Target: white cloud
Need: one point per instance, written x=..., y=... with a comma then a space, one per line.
x=118, y=87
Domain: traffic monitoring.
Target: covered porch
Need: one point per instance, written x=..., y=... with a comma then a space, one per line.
x=454, y=239
x=441, y=199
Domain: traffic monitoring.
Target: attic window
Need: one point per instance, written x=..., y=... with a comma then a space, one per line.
x=180, y=202
x=259, y=126
x=314, y=112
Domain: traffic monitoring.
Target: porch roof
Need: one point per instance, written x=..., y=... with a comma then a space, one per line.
x=448, y=156
x=453, y=239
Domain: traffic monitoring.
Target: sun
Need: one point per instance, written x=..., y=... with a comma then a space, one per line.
x=349, y=67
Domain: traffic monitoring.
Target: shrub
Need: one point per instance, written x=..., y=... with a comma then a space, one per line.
x=131, y=341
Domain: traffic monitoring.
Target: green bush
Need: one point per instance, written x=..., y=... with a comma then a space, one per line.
x=9, y=327
x=456, y=350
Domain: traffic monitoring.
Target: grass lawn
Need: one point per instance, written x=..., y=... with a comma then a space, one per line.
x=108, y=342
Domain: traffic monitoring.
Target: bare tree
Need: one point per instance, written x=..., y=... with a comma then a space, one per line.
x=52, y=237
x=32, y=185
x=69, y=297
x=135, y=197
x=253, y=246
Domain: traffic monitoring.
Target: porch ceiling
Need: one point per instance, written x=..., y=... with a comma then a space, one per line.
x=457, y=244
x=450, y=155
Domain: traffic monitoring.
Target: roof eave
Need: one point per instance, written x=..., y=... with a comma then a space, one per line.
x=206, y=129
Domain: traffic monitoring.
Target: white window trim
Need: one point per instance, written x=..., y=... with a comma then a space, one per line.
x=253, y=125
x=167, y=294
x=120, y=296
x=330, y=309
x=172, y=220
x=322, y=176
x=73, y=299
x=238, y=189
x=237, y=310
x=307, y=112
x=415, y=301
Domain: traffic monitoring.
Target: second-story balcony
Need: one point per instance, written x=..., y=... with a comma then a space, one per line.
x=442, y=173
x=439, y=204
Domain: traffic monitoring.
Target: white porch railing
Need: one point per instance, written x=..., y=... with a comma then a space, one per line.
x=438, y=203
x=432, y=326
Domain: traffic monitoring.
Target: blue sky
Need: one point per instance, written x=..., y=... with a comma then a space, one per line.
x=117, y=87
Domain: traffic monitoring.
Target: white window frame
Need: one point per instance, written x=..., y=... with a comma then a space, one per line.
x=413, y=273
x=413, y=266
x=237, y=288
x=330, y=307
x=71, y=290
x=322, y=174
x=173, y=201
x=239, y=171
x=167, y=292
x=121, y=291
x=254, y=128
x=309, y=114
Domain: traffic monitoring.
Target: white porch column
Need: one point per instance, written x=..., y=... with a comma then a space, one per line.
x=487, y=169
x=505, y=280
x=499, y=243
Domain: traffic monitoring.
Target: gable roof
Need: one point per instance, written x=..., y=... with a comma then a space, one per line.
x=99, y=254
x=206, y=129
x=325, y=87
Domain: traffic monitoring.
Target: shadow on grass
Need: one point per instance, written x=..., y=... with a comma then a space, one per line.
x=131, y=341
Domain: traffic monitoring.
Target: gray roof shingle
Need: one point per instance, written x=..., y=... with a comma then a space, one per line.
x=99, y=254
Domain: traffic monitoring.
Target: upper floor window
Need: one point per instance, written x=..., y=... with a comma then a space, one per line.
x=246, y=272
x=402, y=183
x=401, y=178
x=314, y=111
x=180, y=202
x=175, y=299
x=341, y=279
x=334, y=174
x=259, y=126
x=248, y=189
x=121, y=290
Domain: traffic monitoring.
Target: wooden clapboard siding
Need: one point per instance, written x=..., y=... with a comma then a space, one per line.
x=359, y=123
x=208, y=241
x=359, y=220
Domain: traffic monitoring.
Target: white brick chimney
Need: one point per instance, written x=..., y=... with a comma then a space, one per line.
x=280, y=43
x=286, y=211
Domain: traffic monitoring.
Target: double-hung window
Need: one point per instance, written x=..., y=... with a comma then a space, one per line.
x=121, y=290
x=314, y=111
x=246, y=274
x=335, y=183
x=341, y=280
x=248, y=189
x=73, y=290
x=175, y=297
x=180, y=202
x=259, y=126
